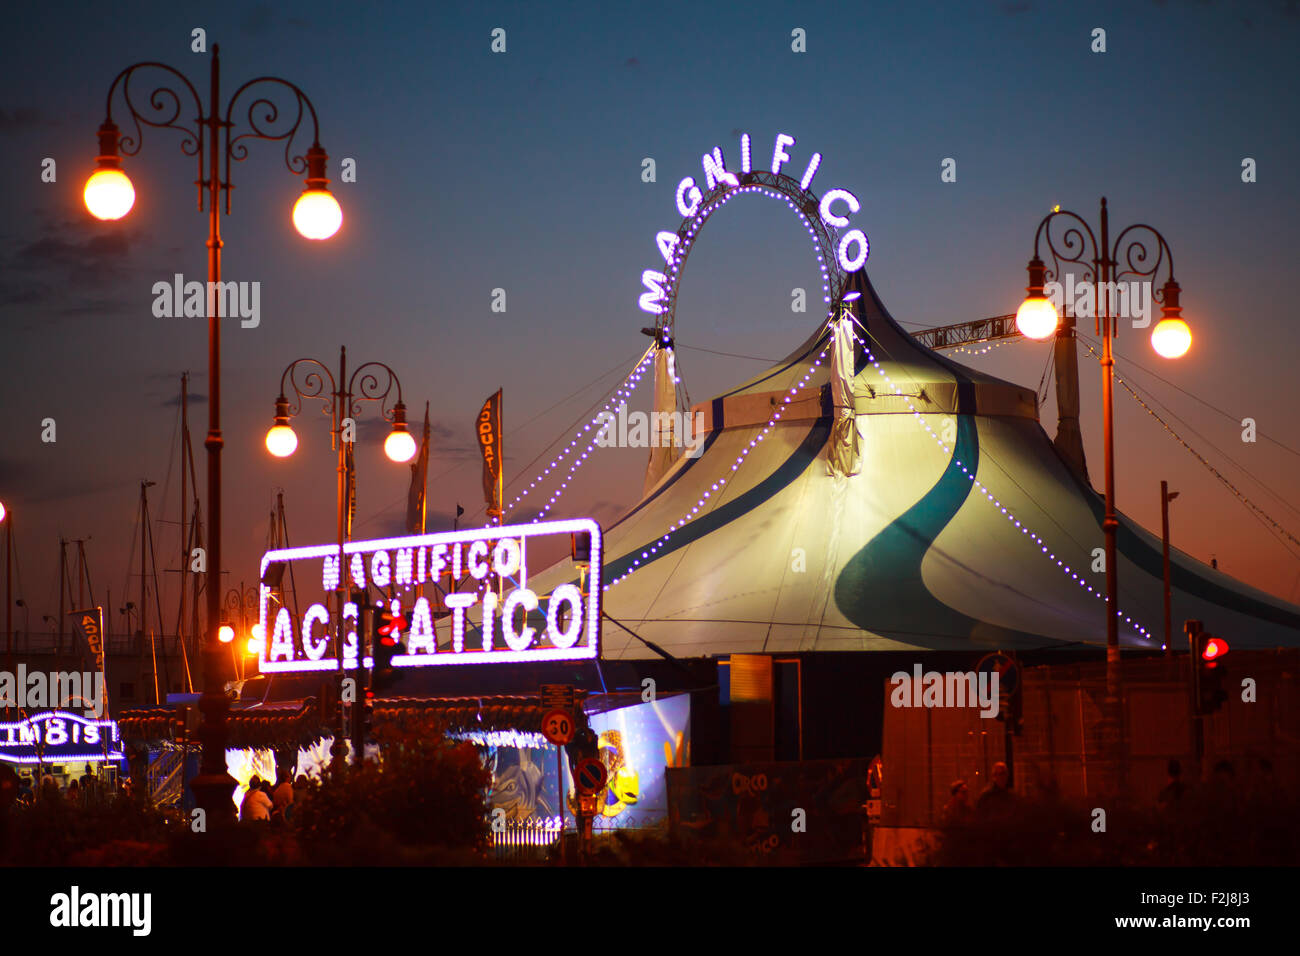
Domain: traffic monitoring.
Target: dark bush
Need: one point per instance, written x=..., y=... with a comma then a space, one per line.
x=1208, y=828
x=424, y=802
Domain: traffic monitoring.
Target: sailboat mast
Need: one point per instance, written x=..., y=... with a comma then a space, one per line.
x=185, y=432
x=143, y=604
x=63, y=576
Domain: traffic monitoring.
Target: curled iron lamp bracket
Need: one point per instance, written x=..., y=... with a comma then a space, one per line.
x=277, y=112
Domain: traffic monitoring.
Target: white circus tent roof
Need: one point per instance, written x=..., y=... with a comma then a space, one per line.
x=964, y=529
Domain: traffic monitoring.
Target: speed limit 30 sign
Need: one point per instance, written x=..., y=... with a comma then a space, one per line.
x=558, y=727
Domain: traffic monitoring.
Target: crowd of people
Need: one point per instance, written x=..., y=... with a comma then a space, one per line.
x=276, y=805
x=78, y=791
x=997, y=799
x=263, y=802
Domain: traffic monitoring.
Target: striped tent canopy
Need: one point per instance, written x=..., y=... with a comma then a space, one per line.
x=963, y=528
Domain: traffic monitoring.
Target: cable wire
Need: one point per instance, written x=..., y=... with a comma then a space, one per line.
x=1201, y=458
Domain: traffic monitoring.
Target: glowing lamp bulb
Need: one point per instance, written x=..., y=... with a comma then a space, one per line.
x=109, y=193
x=2, y=511
x=1036, y=318
x=225, y=633
x=399, y=446
x=281, y=441
x=254, y=646
x=1171, y=338
x=316, y=214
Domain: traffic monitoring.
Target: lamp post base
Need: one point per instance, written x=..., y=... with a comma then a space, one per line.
x=215, y=794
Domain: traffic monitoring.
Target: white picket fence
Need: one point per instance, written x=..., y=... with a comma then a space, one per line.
x=530, y=838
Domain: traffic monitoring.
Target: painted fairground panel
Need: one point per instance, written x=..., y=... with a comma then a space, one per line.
x=806, y=812
x=637, y=744
x=524, y=782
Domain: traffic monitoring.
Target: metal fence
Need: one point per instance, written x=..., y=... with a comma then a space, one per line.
x=524, y=840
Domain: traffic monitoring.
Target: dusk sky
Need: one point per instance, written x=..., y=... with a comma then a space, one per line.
x=522, y=171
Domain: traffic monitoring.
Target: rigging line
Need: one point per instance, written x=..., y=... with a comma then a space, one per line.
x=1047, y=368
x=675, y=662
x=130, y=559
x=585, y=415
x=1201, y=458
x=524, y=471
x=985, y=453
x=1194, y=397
x=167, y=481
x=969, y=347
x=679, y=381
x=1215, y=471
x=885, y=352
x=293, y=584
x=578, y=391
x=471, y=459
x=157, y=598
x=18, y=566
x=1246, y=471
x=984, y=450
x=755, y=358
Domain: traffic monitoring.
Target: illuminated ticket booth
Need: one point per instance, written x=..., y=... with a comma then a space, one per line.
x=63, y=745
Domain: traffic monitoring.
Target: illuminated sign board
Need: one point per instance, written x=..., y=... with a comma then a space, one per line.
x=462, y=597
x=59, y=737
x=850, y=249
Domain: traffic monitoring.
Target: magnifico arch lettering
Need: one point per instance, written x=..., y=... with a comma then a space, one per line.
x=837, y=255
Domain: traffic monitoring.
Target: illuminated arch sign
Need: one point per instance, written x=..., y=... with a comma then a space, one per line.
x=838, y=253
x=59, y=736
x=476, y=606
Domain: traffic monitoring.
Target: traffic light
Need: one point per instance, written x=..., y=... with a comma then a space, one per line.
x=1012, y=714
x=367, y=703
x=582, y=745
x=386, y=642
x=1209, y=654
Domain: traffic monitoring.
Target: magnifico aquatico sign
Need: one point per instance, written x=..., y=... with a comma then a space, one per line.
x=463, y=598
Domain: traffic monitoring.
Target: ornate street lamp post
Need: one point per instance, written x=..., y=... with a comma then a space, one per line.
x=1103, y=263
x=240, y=604
x=109, y=194
x=1139, y=253
x=307, y=378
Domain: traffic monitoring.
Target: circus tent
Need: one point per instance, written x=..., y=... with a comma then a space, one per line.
x=955, y=525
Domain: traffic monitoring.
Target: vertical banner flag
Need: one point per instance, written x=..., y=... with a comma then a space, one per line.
x=415, y=500
x=350, y=470
x=90, y=623
x=488, y=428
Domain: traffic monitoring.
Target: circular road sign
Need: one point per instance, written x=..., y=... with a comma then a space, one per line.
x=558, y=727
x=1007, y=670
x=591, y=776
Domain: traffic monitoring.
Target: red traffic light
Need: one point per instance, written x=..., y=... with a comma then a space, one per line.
x=392, y=626
x=1215, y=647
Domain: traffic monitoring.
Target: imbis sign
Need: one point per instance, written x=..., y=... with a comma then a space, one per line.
x=464, y=596
x=58, y=736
